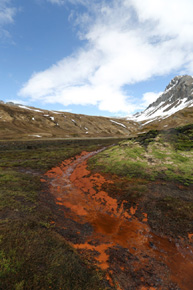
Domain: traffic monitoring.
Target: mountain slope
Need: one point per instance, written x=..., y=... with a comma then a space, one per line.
x=18, y=121
x=181, y=118
x=177, y=96
x=173, y=108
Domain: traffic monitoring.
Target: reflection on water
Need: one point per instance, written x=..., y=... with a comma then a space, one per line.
x=83, y=200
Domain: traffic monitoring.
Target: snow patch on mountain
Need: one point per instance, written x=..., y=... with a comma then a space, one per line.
x=177, y=96
x=30, y=109
x=120, y=124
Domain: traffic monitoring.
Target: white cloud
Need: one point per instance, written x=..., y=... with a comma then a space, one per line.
x=59, y=2
x=128, y=41
x=149, y=98
x=7, y=13
x=62, y=2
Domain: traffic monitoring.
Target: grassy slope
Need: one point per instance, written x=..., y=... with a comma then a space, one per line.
x=167, y=155
x=32, y=254
x=155, y=172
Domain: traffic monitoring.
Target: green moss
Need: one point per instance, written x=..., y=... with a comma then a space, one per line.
x=42, y=260
x=179, y=158
x=158, y=154
x=33, y=255
x=158, y=159
x=181, y=138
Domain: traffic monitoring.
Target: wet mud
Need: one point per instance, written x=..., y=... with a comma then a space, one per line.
x=111, y=236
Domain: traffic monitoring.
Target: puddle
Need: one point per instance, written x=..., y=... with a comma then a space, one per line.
x=115, y=239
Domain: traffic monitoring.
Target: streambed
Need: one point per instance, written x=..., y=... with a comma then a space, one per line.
x=112, y=237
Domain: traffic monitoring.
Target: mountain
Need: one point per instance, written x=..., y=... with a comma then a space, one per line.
x=173, y=108
x=176, y=99
x=23, y=122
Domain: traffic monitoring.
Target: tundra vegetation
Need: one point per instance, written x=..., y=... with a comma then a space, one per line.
x=166, y=154
x=32, y=254
x=152, y=172
x=155, y=173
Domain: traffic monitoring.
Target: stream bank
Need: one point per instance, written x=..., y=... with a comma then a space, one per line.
x=110, y=235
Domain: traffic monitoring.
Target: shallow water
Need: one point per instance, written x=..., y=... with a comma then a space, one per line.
x=116, y=240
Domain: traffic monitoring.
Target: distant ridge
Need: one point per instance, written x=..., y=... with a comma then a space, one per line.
x=174, y=107
x=24, y=122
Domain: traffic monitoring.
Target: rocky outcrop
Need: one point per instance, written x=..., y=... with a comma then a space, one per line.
x=179, y=89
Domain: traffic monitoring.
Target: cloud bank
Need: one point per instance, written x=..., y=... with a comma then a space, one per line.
x=127, y=41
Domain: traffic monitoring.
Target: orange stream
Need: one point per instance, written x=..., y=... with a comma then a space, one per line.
x=74, y=187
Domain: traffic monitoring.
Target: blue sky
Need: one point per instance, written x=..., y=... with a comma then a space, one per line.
x=93, y=57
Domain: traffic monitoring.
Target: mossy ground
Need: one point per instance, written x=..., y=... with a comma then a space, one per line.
x=155, y=173
x=152, y=173
x=153, y=155
x=32, y=254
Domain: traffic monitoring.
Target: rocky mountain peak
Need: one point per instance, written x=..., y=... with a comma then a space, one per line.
x=178, y=80
x=180, y=88
x=178, y=95
x=173, y=82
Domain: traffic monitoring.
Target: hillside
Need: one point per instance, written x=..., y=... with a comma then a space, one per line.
x=180, y=118
x=173, y=108
x=21, y=122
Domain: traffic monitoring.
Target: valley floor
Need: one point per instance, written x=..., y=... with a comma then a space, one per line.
x=137, y=242
x=65, y=224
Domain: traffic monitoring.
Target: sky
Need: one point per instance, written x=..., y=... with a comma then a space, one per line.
x=99, y=57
